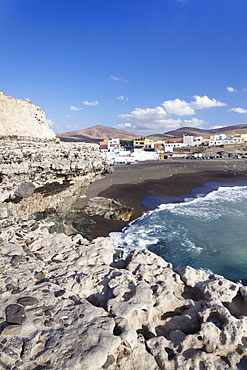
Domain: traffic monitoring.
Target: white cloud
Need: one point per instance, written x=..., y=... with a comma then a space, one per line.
x=74, y=108
x=238, y=110
x=214, y=127
x=230, y=89
x=182, y=108
x=93, y=103
x=68, y=116
x=202, y=102
x=194, y=122
x=74, y=126
x=115, y=78
x=178, y=107
x=163, y=118
x=121, y=97
x=149, y=120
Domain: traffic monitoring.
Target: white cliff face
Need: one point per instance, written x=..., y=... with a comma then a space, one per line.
x=23, y=118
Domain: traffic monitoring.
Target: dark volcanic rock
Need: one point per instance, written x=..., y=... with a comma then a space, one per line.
x=108, y=208
x=15, y=314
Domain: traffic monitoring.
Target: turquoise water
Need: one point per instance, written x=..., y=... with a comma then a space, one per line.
x=206, y=229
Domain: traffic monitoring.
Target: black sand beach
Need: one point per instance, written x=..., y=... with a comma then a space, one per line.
x=131, y=183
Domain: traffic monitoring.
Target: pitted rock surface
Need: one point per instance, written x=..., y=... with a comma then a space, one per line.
x=82, y=309
x=44, y=180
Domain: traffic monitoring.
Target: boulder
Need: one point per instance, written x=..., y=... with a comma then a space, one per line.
x=108, y=208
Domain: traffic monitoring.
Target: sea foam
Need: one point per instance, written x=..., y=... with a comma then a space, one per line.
x=206, y=232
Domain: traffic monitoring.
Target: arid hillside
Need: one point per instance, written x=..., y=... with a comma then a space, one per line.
x=96, y=134
x=178, y=134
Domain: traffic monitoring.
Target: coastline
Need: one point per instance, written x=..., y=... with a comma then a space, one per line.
x=130, y=184
x=111, y=313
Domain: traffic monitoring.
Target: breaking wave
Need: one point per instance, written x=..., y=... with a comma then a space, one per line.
x=206, y=231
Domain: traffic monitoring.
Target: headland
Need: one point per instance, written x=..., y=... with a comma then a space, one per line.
x=70, y=303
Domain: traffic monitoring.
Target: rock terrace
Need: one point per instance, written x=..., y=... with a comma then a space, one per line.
x=70, y=303
x=37, y=175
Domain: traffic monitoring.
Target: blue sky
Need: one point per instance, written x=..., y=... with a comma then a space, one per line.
x=143, y=66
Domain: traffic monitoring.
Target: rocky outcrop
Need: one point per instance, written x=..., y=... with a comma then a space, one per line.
x=70, y=303
x=23, y=118
x=108, y=208
x=38, y=178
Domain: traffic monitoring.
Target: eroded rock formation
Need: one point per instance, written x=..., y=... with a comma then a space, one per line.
x=70, y=303
x=23, y=118
x=67, y=303
x=108, y=208
x=37, y=175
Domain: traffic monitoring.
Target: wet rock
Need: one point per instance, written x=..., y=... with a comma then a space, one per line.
x=59, y=293
x=15, y=314
x=27, y=301
x=108, y=208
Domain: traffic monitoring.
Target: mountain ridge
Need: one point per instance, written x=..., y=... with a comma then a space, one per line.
x=95, y=134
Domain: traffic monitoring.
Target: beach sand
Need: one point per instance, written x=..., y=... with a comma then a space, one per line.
x=131, y=183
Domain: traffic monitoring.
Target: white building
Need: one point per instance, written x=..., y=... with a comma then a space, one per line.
x=113, y=144
x=218, y=137
x=188, y=140
x=216, y=142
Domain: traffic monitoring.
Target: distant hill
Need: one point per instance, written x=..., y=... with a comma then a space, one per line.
x=178, y=134
x=95, y=134
x=98, y=133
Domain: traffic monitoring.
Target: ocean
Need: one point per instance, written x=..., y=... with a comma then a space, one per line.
x=206, y=229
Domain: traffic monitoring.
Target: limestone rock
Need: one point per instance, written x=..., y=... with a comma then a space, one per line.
x=23, y=118
x=71, y=305
x=45, y=180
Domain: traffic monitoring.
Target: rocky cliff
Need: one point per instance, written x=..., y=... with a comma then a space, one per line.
x=66, y=302
x=40, y=179
x=23, y=118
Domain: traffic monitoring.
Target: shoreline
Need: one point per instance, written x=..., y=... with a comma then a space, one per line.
x=130, y=184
